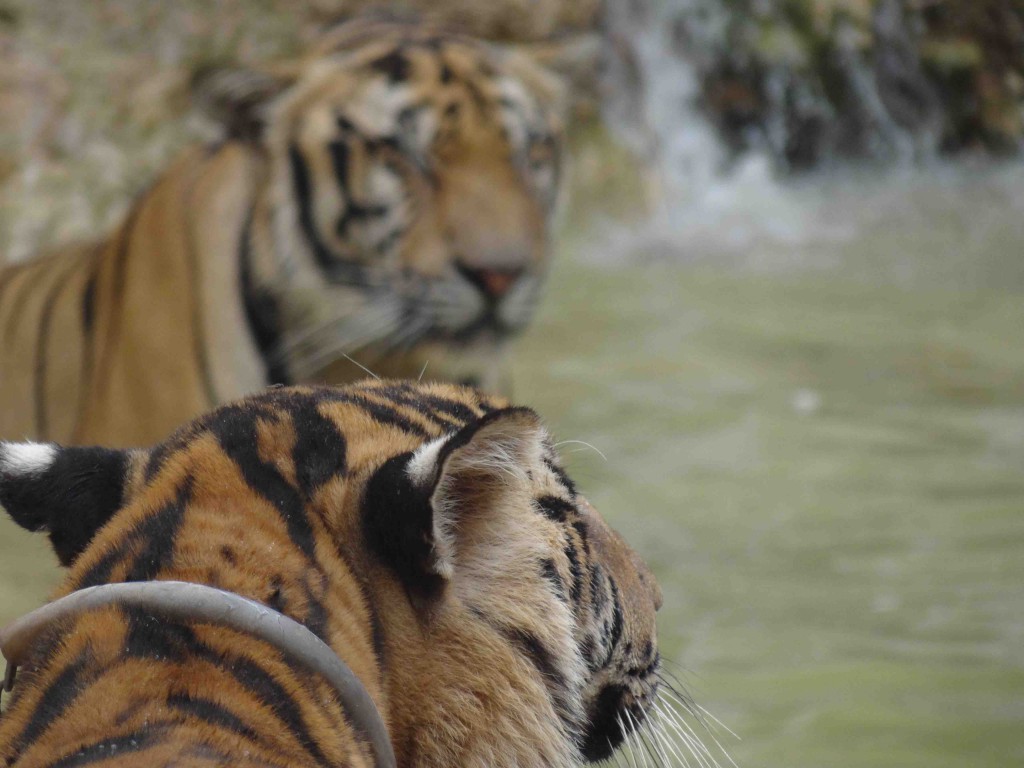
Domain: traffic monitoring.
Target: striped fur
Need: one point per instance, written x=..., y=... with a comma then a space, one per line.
x=387, y=197
x=426, y=532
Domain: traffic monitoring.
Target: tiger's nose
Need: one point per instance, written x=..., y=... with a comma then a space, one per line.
x=492, y=283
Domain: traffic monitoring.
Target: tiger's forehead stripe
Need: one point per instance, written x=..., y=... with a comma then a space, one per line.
x=416, y=74
x=410, y=410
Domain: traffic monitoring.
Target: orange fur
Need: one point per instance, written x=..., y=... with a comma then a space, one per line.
x=501, y=661
x=388, y=197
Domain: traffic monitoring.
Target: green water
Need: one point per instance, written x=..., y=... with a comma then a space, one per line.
x=823, y=466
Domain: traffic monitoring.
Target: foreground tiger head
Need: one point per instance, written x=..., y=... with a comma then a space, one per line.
x=414, y=175
x=426, y=532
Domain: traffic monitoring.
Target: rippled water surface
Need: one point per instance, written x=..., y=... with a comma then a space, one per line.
x=811, y=401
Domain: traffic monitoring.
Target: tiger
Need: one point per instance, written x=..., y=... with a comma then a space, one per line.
x=427, y=532
x=383, y=202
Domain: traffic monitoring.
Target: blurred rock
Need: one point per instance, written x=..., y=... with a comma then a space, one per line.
x=813, y=81
x=504, y=20
x=32, y=97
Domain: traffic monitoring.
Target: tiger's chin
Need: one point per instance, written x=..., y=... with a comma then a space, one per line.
x=613, y=716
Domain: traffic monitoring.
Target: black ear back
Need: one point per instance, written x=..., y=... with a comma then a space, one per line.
x=237, y=99
x=398, y=524
x=412, y=505
x=68, y=492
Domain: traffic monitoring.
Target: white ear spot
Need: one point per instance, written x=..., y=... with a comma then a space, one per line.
x=422, y=467
x=26, y=458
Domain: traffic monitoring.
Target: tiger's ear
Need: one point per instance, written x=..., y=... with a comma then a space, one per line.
x=419, y=507
x=238, y=99
x=68, y=492
x=576, y=63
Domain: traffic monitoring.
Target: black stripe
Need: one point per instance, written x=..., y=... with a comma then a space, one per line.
x=154, y=536
x=446, y=423
x=645, y=670
x=89, y=303
x=211, y=713
x=236, y=430
x=543, y=660
x=376, y=625
x=354, y=211
x=341, y=162
x=267, y=690
x=262, y=310
x=617, y=620
x=54, y=702
x=153, y=636
x=577, y=574
x=570, y=486
x=381, y=413
x=304, y=197
x=550, y=572
x=158, y=534
x=394, y=65
x=335, y=269
x=589, y=653
x=108, y=749
x=42, y=347
x=117, y=296
x=530, y=646
x=320, y=448
x=441, y=410
x=598, y=597
x=88, y=334
x=555, y=508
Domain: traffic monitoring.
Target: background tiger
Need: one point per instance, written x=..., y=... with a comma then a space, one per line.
x=427, y=533
x=388, y=196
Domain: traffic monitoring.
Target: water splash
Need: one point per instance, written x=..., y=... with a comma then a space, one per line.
x=879, y=204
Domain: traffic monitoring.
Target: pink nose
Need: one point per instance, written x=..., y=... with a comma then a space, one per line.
x=493, y=283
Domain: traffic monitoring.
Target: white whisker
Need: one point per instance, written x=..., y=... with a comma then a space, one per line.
x=356, y=362
x=690, y=742
x=656, y=736
x=719, y=722
x=420, y=377
x=635, y=735
x=408, y=335
x=318, y=357
x=584, y=443
x=668, y=739
x=381, y=314
x=644, y=736
x=679, y=722
x=628, y=751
